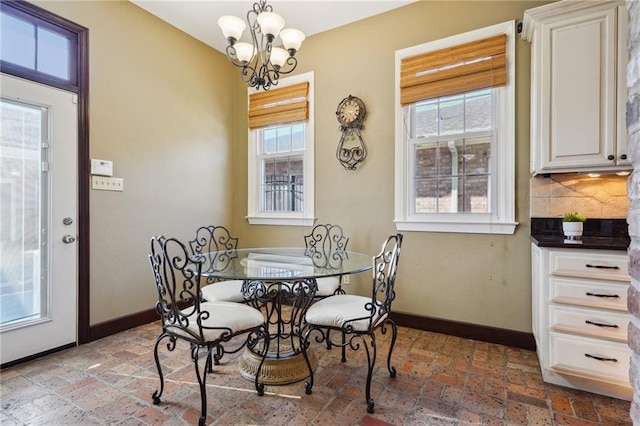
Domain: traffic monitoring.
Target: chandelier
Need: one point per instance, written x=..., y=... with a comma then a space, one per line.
x=261, y=62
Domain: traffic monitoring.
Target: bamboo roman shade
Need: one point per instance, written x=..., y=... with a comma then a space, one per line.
x=471, y=66
x=279, y=106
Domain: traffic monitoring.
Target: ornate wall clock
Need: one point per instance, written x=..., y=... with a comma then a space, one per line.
x=351, y=113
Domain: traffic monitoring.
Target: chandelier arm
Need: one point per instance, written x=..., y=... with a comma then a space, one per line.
x=266, y=60
x=233, y=58
x=270, y=76
x=254, y=28
x=249, y=76
x=292, y=62
x=251, y=71
x=255, y=10
x=248, y=73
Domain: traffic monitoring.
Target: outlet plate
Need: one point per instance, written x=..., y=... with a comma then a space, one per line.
x=345, y=279
x=103, y=183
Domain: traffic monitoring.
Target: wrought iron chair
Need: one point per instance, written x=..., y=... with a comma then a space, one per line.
x=358, y=317
x=216, y=238
x=324, y=238
x=206, y=326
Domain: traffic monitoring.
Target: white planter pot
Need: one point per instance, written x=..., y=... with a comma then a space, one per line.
x=572, y=230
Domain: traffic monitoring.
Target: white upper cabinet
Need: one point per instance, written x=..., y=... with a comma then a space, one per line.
x=578, y=86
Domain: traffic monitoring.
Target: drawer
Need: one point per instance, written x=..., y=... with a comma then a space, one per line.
x=590, y=322
x=590, y=293
x=591, y=358
x=589, y=264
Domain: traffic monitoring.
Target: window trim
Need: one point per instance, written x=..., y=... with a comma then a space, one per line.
x=307, y=216
x=502, y=221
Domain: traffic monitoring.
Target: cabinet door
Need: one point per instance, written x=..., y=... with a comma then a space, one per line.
x=578, y=91
x=622, y=158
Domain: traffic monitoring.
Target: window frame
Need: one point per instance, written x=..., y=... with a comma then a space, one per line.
x=306, y=217
x=501, y=219
x=71, y=84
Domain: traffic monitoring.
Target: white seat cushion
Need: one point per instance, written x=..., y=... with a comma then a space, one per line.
x=235, y=316
x=327, y=286
x=223, y=291
x=337, y=310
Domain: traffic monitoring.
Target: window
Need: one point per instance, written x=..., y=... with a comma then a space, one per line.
x=455, y=134
x=37, y=48
x=450, y=139
x=281, y=174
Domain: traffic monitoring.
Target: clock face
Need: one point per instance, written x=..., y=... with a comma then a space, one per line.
x=350, y=110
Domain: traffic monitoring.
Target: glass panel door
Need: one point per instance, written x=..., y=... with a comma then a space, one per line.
x=23, y=292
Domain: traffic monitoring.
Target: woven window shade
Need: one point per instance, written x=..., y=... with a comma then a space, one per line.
x=471, y=66
x=279, y=106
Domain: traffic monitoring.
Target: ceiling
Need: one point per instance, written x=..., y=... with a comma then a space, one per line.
x=199, y=18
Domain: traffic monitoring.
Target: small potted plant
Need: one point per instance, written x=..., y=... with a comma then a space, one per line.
x=572, y=224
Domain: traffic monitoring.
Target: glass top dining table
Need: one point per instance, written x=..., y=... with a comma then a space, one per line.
x=282, y=263
x=281, y=282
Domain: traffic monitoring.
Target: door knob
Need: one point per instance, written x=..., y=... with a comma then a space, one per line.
x=68, y=239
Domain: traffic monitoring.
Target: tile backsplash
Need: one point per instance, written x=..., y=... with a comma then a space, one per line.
x=597, y=197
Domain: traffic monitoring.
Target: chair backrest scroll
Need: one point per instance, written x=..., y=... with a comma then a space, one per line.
x=385, y=266
x=210, y=239
x=177, y=280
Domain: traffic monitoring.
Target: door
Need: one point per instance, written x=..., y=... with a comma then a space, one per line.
x=38, y=212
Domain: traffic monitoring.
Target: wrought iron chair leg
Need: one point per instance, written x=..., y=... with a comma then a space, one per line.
x=267, y=342
x=308, y=386
x=216, y=358
x=202, y=378
x=210, y=364
x=344, y=347
x=394, y=335
x=328, y=337
x=158, y=393
x=371, y=360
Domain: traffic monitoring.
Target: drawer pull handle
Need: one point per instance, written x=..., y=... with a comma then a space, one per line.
x=601, y=325
x=602, y=266
x=600, y=358
x=614, y=296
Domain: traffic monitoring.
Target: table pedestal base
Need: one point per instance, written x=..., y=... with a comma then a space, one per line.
x=289, y=368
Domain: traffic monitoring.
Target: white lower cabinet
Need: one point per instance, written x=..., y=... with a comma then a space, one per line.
x=580, y=318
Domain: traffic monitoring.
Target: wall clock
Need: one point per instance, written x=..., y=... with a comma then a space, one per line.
x=351, y=113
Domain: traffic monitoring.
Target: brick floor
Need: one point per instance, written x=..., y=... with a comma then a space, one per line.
x=442, y=380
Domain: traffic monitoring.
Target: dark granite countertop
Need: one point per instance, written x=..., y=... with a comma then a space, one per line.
x=599, y=234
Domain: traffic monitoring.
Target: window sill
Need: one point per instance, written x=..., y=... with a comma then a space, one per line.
x=458, y=227
x=281, y=221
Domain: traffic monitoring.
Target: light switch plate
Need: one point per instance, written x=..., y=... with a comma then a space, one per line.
x=101, y=167
x=105, y=183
